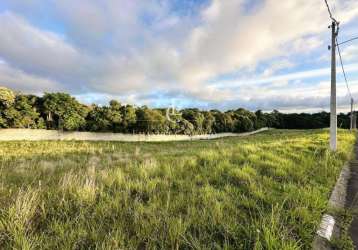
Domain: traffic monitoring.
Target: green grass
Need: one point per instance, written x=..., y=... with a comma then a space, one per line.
x=266, y=191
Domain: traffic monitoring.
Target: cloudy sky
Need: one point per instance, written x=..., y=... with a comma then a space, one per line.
x=256, y=54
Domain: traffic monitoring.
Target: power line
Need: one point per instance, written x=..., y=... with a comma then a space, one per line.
x=339, y=50
x=348, y=41
x=330, y=13
x=344, y=72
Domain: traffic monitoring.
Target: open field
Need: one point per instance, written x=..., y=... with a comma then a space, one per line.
x=267, y=191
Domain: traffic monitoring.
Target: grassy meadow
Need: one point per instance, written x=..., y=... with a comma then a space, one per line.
x=266, y=191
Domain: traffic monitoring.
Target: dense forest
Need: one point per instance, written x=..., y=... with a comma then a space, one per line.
x=61, y=111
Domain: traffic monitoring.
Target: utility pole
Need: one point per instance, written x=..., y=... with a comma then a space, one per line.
x=352, y=102
x=333, y=122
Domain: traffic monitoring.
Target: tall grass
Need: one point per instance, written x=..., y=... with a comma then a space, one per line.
x=267, y=191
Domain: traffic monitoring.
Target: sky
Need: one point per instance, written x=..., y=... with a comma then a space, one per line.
x=209, y=54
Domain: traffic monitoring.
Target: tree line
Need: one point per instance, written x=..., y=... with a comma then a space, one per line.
x=60, y=111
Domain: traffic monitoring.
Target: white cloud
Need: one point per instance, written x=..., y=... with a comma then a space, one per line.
x=285, y=77
x=276, y=66
x=292, y=97
x=38, y=52
x=350, y=53
x=19, y=80
x=131, y=48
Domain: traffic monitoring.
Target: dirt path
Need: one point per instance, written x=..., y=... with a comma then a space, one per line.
x=48, y=135
x=352, y=197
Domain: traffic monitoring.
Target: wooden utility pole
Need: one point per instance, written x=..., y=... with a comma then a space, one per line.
x=333, y=122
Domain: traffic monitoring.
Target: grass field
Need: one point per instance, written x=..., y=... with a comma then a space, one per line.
x=266, y=191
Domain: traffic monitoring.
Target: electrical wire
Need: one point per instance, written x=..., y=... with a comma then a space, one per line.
x=343, y=70
x=348, y=41
x=339, y=50
x=330, y=13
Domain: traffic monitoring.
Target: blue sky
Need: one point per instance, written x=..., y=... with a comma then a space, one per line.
x=261, y=54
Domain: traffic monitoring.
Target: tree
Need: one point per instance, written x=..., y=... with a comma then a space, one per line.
x=261, y=120
x=26, y=114
x=218, y=125
x=243, y=124
x=98, y=119
x=114, y=115
x=129, y=118
x=229, y=121
x=150, y=120
x=9, y=117
x=245, y=113
x=273, y=119
x=61, y=111
x=19, y=111
x=7, y=97
x=185, y=127
x=3, y=122
x=209, y=121
x=64, y=112
x=195, y=117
